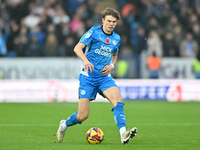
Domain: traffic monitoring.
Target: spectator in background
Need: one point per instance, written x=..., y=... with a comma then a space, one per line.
x=81, y=30
x=170, y=48
x=154, y=65
x=166, y=14
x=90, y=7
x=51, y=29
x=191, y=20
x=129, y=13
x=21, y=42
x=67, y=47
x=179, y=4
x=196, y=32
x=32, y=20
x=38, y=7
x=88, y=23
x=178, y=35
x=127, y=9
x=34, y=47
x=60, y=16
x=128, y=52
x=96, y=16
x=197, y=4
x=21, y=45
x=189, y=47
x=51, y=46
x=4, y=16
x=40, y=34
x=75, y=24
x=182, y=15
x=140, y=44
x=173, y=23
x=144, y=18
x=196, y=66
x=11, y=37
x=152, y=25
x=4, y=26
x=82, y=12
x=18, y=9
x=3, y=49
x=154, y=44
x=72, y=5
x=49, y=9
x=190, y=11
x=45, y=20
x=198, y=13
x=150, y=6
x=123, y=29
x=125, y=45
x=65, y=32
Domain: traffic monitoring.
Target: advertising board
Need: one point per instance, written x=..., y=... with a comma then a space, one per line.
x=40, y=68
x=67, y=90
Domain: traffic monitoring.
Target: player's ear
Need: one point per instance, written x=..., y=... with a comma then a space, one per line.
x=103, y=19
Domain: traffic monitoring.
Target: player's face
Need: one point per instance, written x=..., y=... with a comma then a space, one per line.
x=109, y=23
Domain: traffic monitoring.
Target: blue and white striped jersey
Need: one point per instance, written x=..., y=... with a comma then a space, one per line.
x=99, y=49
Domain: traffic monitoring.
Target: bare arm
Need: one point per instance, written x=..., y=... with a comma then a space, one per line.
x=114, y=59
x=79, y=52
x=108, y=68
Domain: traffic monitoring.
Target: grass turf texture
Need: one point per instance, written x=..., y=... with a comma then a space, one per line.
x=161, y=126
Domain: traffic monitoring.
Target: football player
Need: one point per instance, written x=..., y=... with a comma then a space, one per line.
x=98, y=49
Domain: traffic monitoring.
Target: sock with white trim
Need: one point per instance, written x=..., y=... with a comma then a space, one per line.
x=122, y=130
x=119, y=117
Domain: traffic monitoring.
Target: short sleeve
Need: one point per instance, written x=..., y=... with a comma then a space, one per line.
x=87, y=37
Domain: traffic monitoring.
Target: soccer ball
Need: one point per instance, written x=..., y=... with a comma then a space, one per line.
x=94, y=135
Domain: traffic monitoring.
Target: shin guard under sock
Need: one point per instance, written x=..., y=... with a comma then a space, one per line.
x=119, y=115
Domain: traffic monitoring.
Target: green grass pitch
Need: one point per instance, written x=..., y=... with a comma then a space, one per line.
x=161, y=126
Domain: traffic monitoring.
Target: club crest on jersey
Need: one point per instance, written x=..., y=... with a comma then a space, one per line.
x=88, y=35
x=114, y=42
x=107, y=41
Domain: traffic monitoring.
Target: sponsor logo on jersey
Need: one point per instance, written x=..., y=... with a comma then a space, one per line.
x=104, y=51
x=88, y=35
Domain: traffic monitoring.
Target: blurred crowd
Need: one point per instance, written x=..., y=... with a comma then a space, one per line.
x=43, y=28
x=38, y=28
x=170, y=27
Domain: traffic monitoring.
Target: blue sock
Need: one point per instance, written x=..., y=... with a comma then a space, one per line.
x=72, y=120
x=119, y=115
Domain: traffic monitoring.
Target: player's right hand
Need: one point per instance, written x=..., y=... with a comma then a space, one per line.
x=88, y=65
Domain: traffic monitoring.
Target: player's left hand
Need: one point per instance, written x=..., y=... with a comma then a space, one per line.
x=106, y=70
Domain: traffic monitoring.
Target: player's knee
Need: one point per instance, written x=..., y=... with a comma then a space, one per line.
x=117, y=99
x=82, y=117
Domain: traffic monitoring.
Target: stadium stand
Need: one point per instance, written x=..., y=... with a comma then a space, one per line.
x=27, y=28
